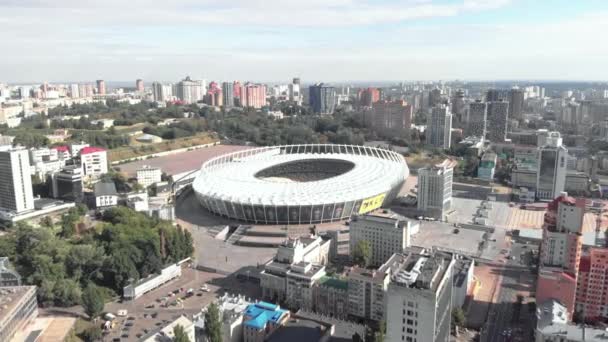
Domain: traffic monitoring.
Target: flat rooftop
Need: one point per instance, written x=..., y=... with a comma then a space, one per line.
x=11, y=297
x=180, y=162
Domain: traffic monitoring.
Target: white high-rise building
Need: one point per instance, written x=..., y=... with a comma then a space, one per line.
x=435, y=188
x=552, y=167
x=16, y=192
x=419, y=299
x=191, y=91
x=386, y=234
x=74, y=91
x=158, y=92
x=439, y=127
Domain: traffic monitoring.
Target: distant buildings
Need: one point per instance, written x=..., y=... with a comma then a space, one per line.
x=190, y=91
x=16, y=193
x=477, y=119
x=391, y=119
x=228, y=91
x=322, y=98
x=160, y=92
x=439, y=127
x=419, y=298
x=295, y=91
x=516, y=103
x=139, y=85
x=253, y=95
x=435, y=189
x=369, y=96
x=386, y=234
x=101, y=87
x=498, y=114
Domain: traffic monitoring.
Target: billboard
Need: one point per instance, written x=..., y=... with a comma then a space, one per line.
x=371, y=203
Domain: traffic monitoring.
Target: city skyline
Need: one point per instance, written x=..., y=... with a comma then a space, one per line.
x=336, y=40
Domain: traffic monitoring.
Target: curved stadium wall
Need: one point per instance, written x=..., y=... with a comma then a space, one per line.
x=300, y=184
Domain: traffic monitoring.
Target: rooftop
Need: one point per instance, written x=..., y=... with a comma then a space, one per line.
x=11, y=297
x=261, y=313
x=422, y=271
x=105, y=189
x=336, y=283
x=91, y=149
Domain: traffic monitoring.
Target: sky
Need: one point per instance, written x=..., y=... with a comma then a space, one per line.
x=317, y=40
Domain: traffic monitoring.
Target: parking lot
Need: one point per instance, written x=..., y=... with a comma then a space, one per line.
x=162, y=305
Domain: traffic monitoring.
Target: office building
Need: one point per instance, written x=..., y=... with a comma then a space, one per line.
x=419, y=298
x=391, y=119
x=148, y=175
x=477, y=120
x=516, y=103
x=228, y=92
x=498, y=117
x=322, y=98
x=190, y=91
x=139, y=85
x=101, y=87
x=19, y=309
x=560, y=251
x=16, y=193
x=386, y=234
x=552, y=168
x=439, y=127
x=67, y=184
x=74, y=91
x=94, y=162
x=459, y=108
x=435, y=189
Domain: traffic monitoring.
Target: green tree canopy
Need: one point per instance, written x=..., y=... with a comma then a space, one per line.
x=93, y=301
x=213, y=325
x=179, y=334
x=362, y=255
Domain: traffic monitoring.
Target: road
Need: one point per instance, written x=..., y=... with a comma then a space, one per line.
x=515, y=278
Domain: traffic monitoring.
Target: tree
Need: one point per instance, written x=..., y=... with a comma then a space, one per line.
x=180, y=334
x=92, y=334
x=362, y=254
x=213, y=326
x=458, y=317
x=92, y=300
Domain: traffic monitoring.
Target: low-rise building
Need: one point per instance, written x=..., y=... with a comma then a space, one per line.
x=153, y=281
x=487, y=167
x=552, y=325
x=165, y=332
x=105, y=195
x=148, y=175
x=261, y=320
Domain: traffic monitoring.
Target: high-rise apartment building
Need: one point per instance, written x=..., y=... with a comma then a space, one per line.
x=560, y=251
x=391, y=119
x=322, y=98
x=477, y=120
x=435, y=188
x=592, y=285
x=495, y=95
x=516, y=103
x=214, y=96
x=139, y=85
x=228, y=92
x=386, y=235
x=439, y=127
x=369, y=96
x=74, y=91
x=552, y=167
x=498, y=117
x=190, y=91
x=16, y=192
x=295, y=91
x=252, y=95
x=101, y=87
x=419, y=298
x=158, y=92
x=459, y=107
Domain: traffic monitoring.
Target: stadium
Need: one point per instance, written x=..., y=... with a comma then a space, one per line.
x=300, y=184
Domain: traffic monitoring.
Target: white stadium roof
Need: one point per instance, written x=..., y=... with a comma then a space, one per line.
x=232, y=177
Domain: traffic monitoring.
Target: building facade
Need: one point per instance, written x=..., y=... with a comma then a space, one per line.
x=419, y=299
x=67, y=184
x=392, y=119
x=435, y=189
x=322, y=98
x=148, y=175
x=16, y=192
x=439, y=127
x=497, y=123
x=552, y=168
x=477, y=119
x=19, y=308
x=94, y=162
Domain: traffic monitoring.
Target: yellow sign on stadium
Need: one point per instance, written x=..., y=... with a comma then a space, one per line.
x=372, y=203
